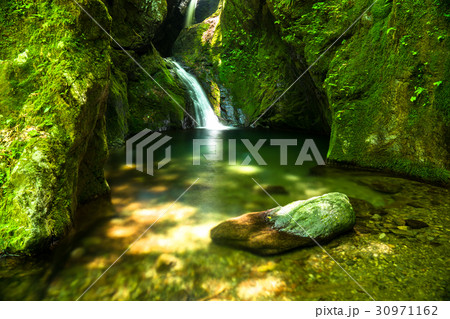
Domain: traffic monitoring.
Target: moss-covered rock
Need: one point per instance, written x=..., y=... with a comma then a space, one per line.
x=141, y=99
x=136, y=22
x=386, y=81
x=284, y=228
x=118, y=110
x=54, y=76
x=153, y=105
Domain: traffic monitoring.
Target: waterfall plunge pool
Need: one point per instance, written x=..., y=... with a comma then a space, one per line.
x=175, y=259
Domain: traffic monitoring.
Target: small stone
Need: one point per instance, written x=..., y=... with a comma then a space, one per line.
x=401, y=232
x=376, y=217
x=399, y=222
x=267, y=267
x=415, y=224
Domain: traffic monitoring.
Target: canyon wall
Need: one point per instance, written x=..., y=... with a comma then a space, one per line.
x=381, y=86
x=66, y=92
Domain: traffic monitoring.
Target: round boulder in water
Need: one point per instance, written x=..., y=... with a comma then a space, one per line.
x=284, y=228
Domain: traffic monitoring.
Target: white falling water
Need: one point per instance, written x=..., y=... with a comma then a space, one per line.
x=204, y=114
x=190, y=13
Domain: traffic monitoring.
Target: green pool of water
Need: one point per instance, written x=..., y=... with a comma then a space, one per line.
x=175, y=259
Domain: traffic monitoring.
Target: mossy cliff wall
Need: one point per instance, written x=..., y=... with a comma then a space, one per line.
x=59, y=75
x=387, y=82
x=383, y=87
x=54, y=74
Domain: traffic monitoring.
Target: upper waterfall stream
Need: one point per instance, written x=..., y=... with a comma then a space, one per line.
x=204, y=114
x=190, y=13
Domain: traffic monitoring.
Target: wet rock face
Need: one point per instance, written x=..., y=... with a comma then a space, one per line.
x=170, y=29
x=205, y=8
x=285, y=228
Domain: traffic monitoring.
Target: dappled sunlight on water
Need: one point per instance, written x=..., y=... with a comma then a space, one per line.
x=175, y=259
x=178, y=240
x=263, y=288
x=248, y=170
x=100, y=263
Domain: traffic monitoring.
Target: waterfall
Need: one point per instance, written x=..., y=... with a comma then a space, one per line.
x=204, y=114
x=190, y=13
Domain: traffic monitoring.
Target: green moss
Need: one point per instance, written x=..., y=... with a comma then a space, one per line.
x=380, y=80
x=136, y=22
x=384, y=80
x=118, y=110
x=150, y=106
x=136, y=101
x=53, y=75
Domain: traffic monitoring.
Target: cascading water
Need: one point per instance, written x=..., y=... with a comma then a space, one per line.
x=190, y=13
x=204, y=114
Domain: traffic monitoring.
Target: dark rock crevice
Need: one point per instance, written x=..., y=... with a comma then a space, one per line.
x=170, y=29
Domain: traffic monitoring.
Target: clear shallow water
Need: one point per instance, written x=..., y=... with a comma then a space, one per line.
x=175, y=259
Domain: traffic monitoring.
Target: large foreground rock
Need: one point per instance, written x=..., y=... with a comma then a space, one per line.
x=284, y=228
